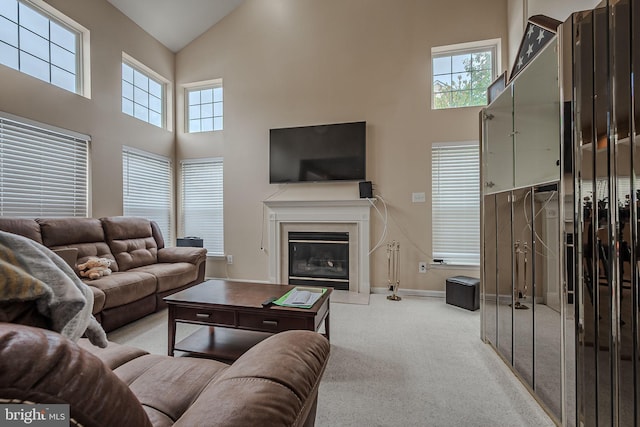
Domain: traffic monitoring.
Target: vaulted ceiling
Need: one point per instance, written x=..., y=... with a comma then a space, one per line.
x=175, y=23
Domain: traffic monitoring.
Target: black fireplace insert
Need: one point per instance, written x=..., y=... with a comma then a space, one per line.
x=319, y=259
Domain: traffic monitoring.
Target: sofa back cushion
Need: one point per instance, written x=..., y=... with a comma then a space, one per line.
x=84, y=234
x=131, y=241
x=28, y=228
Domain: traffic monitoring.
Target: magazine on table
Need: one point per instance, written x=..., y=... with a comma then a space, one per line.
x=300, y=297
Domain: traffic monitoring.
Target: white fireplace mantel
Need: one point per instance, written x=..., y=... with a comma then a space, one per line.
x=353, y=213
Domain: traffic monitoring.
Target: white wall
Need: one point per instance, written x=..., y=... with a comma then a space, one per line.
x=303, y=62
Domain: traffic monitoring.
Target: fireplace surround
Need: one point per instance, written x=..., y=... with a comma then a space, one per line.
x=327, y=216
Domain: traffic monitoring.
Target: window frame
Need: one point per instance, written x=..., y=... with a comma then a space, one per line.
x=43, y=175
x=216, y=162
x=82, y=55
x=144, y=186
x=470, y=189
x=493, y=45
x=153, y=76
x=199, y=86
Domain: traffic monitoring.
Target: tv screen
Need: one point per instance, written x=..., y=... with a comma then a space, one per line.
x=335, y=152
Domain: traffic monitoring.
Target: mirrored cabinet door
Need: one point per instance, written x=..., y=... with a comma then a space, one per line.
x=523, y=286
x=634, y=228
x=490, y=271
x=547, y=341
x=504, y=252
x=620, y=47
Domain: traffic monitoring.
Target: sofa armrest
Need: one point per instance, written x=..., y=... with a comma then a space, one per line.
x=41, y=366
x=182, y=254
x=275, y=383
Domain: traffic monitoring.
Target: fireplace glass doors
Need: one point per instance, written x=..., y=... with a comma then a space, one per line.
x=319, y=259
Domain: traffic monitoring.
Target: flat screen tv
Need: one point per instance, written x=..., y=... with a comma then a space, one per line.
x=333, y=152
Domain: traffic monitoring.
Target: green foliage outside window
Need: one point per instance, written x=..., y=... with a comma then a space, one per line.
x=461, y=80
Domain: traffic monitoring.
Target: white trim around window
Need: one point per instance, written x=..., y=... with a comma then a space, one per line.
x=460, y=74
x=146, y=95
x=38, y=40
x=203, y=106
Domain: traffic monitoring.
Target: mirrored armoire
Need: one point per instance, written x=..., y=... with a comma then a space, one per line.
x=559, y=213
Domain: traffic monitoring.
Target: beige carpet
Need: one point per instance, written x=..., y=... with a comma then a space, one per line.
x=415, y=362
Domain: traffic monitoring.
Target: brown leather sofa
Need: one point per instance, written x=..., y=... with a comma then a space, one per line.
x=144, y=270
x=273, y=384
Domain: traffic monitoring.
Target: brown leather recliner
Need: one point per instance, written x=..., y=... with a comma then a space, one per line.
x=274, y=384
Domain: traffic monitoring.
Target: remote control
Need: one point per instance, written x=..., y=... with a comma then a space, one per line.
x=268, y=302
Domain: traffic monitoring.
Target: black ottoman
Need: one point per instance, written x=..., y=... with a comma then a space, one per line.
x=463, y=291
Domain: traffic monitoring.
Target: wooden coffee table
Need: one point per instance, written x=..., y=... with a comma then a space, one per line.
x=234, y=319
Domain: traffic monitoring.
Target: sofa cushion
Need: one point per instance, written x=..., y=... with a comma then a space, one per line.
x=124, y=287
x=85, y=234
x=131, y=241
x=28, y=228
x=171, y=276
x=279, y=376
x=114, y=355
x=187, y=377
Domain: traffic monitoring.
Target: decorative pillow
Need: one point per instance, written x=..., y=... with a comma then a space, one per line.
x=69, y=255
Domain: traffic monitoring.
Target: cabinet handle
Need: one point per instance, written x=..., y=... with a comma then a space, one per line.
x=270, y=322
x=203, y=315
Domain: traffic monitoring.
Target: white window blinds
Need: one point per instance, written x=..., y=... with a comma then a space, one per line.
x=146, y=191
x=43, y=170
x=456, y=203
x=202, y=202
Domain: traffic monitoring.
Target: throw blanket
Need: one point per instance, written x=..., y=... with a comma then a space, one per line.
x=30, y=271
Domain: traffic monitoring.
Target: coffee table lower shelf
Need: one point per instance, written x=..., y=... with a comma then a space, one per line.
x=223, y=344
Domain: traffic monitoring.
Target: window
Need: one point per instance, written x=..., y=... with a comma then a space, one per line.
x=147, y=184
x=462, y=73
x=143, y=93
x=455, y=171
x=202, y=202
x=602, y=190
x=42, y=42
x=204, y=110
x=43, y=170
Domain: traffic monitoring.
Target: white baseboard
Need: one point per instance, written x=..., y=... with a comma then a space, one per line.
x=411, y=292
x=238, y=280
x=379, y=290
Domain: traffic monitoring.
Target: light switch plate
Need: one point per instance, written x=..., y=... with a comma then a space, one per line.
x=418, y=198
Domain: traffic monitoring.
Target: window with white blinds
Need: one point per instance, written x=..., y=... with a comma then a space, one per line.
x=203, y=202
x=43, y=170
x=147, y=184
x=456, y=203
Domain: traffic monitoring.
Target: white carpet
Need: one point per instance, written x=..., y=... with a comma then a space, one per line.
x=415, y=362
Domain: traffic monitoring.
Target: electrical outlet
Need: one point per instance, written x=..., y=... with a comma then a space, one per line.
x=229, y=259
x=422, y=267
